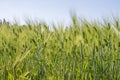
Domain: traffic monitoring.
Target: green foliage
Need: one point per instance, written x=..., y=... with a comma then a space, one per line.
x=81, y=51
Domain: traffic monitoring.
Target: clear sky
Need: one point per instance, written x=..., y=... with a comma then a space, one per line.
x=57, y=10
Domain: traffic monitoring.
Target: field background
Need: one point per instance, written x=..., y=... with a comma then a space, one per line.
x=81, y=51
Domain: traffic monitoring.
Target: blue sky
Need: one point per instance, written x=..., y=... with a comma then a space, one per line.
x=57, y=10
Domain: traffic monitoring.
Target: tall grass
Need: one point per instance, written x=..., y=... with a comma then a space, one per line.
x=82, y=51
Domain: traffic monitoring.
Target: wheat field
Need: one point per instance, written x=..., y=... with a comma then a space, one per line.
x=81, y=51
